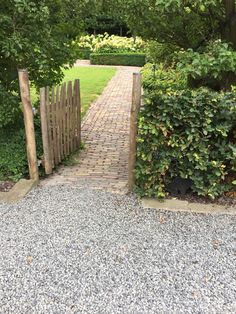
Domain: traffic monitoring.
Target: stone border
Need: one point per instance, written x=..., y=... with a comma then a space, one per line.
x=176, y=205
x=18, y=192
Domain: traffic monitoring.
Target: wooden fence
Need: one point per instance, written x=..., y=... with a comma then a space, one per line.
x=60, y=109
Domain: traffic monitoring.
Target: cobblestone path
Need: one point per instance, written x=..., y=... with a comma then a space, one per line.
x=103, y=164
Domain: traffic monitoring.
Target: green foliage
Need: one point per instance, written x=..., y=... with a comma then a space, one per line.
x=132, y=59
x=9, y=107
x=103, y=17
x=216, y=61
x=186, y=133
x=83, y=53
x=160, y=53
x=186, y=24
x=13, y=158
x=36, y=35
x=157, y=77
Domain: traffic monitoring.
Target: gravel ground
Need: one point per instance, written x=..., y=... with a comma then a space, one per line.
x=70, y=250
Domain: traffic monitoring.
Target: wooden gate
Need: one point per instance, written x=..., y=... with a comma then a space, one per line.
x=60, y=110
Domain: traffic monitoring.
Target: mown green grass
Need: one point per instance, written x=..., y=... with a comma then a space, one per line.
x=92, y=81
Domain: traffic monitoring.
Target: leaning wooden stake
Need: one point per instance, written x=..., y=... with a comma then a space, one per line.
x=135, y=107
x=29, y=124
x=45, y=132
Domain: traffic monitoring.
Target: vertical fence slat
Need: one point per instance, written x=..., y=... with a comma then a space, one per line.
x=64, y=120
x=78, y=105
x=49, y=115
x=45, y=132
x=68, y=119
x=54, y=128
x=73, y=117
x=58, y=124
x=135, y=107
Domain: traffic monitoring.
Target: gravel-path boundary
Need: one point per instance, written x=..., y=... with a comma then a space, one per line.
x=66, y=249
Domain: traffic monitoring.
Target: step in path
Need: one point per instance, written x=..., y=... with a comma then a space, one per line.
x=103, y=163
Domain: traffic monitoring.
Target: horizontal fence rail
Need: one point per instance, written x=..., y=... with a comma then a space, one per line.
x=60, y=109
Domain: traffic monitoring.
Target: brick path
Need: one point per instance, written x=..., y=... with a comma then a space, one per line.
x=103, y=164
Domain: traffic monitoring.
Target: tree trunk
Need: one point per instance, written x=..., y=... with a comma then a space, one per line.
x=121, y=31
x=230, y=22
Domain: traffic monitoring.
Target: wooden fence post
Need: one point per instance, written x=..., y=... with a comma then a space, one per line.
x=45, y=135
x=29, y=124
x=135, y=107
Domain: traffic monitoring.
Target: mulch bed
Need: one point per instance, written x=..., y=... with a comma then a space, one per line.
x=224, y=200
x=5, y=186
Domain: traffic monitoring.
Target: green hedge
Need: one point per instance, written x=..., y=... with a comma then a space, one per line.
x=188, y=134
x=132, y=59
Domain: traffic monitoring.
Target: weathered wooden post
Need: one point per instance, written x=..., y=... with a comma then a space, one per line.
x=29, y=124
x=135, y=107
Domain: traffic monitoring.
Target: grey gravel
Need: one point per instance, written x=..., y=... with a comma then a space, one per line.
x=70, y=250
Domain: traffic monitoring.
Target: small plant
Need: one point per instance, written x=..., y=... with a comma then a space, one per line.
x=13, y=157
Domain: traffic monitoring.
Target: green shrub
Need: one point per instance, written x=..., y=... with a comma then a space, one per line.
x=83, y=53
x=161, y=53
x=157, y=77
x=109, y=44
x=186, y=133
x=133, y=59
x=13, y=158
x=9, y=107
x=117, y=44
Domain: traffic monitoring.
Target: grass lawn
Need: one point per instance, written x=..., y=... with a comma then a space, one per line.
x=92, y=81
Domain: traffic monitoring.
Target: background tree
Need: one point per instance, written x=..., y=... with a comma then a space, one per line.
x=105, y=17
x=36, y=35
x=184, y=23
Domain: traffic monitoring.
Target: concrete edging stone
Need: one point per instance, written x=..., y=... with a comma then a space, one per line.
x=176, y=205
x=18, y=192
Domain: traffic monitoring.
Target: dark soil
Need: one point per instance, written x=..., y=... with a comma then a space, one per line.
x=193, y=198
x=5, y=186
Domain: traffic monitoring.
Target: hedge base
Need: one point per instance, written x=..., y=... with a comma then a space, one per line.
x=127, y=59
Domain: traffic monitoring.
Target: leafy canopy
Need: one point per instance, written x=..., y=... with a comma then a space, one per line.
x=35, y=34
x=185, y=23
